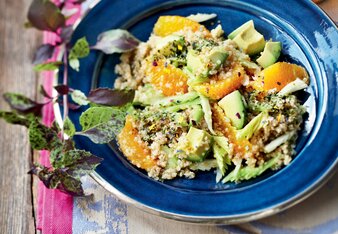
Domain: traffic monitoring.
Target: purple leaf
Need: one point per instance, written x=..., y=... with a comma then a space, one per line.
x=73, y=106
x=116, y=41
x=58, y=179
x=111, y=97
x=66, y=33
x=69, y=184
x=79, y=162
x=45, y=15
x=62, y=89
x=23, y=104
x=44, y=93
x=43, y=53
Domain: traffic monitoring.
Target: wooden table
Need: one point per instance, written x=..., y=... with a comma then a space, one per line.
x=17, y=45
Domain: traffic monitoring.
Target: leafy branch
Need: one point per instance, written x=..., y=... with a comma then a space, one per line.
x=68, y=164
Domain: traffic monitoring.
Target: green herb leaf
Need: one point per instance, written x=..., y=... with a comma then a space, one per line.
x=102, y=124
x=42, y=137
x=111, y=97
x=68, y=127
x=96, y=115
x=14, y=118
x=79, y=50
x=79, y=98
x=75, y=64
x=45, y=15
x=50, y=66
x=23, y=104
x=116, y=41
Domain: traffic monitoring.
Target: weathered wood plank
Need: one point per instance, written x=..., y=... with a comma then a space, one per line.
x=16, y=75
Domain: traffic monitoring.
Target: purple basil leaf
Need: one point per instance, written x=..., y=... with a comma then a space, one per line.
x=116, y=41
x=62, y=89
x=58, y=179
x=23, y=104
x=66, y=33
x=45, y=15
x=44, y=93
x=44, y=174
x=78, y=1
x=78, y=162
x=43, y=53
x=73, y=106
x=111, y=97
x=69, y=184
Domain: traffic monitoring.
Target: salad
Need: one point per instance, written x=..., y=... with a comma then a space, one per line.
x=205, y=101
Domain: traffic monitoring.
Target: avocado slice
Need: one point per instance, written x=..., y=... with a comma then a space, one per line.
x=198, y=69
x=165, y=41
x=201, y=65
x=147, y=95
x=197, y=145
x=250, y=41
x=244, y=26
x=196, y=113
x=234, y=108
x=270, y=53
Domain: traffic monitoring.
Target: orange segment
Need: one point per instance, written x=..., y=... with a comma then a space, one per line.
x=132, y=146
x=278, y=75
x=224, y=127
x=167, y=78
x=167, y=25
x=218, y=86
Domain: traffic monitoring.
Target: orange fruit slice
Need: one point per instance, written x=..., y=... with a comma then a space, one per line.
x=132, y=146
x=221, y=125
x=278, y=75
x=167, y=78
x=217, y=87
x=167, y=25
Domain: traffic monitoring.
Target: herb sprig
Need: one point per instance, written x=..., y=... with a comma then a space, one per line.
x=68, y=164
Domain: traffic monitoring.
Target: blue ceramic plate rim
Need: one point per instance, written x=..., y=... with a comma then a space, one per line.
x=246, y=214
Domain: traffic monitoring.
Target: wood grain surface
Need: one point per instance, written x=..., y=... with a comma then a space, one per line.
x=16, y=75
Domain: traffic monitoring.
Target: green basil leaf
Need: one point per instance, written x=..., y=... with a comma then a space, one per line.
x=102, y=124
x=68, y=127
x=79, y=98
x=42, y=137
x=79, y=50
x=14, y=118
x=50, y=66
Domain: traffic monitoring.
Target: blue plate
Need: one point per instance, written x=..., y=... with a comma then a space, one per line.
x=309, y=38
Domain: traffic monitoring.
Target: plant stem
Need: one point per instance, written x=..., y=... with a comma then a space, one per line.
x=65, y=82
